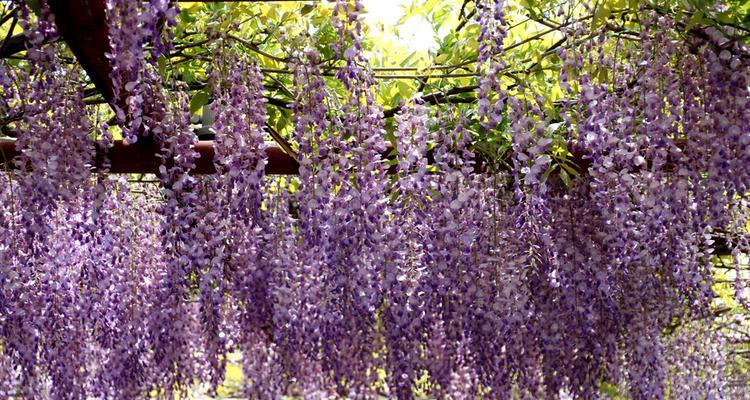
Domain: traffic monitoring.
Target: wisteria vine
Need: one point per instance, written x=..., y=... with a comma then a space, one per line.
x=405, y=267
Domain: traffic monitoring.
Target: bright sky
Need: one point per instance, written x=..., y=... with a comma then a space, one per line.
x=414, y=34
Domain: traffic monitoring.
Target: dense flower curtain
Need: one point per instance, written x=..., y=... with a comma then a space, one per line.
x=378, y=271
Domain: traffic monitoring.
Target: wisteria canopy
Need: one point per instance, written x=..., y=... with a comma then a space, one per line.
x=550, y=203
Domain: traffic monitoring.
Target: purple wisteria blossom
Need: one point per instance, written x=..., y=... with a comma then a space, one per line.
x=131, y=26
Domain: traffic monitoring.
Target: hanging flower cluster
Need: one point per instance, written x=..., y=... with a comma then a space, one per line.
x=426, y=274
x=490, y=62
x=132, y=25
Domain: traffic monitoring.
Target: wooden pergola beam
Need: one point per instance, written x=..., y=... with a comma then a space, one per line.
x=142, y=158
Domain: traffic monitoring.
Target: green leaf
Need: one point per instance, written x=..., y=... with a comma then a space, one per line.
x=695, y=19
x=565, y=178
x=548, y=172
x=530, y=6
x=609, y=390
x=601, y=15
x=307, y=8
x=404, y=89
x=198, y=100
x=394, y=195
x=602, y=75
x=569, y=168
x=282, y=122
x=162, y=64
x=35, y=7
x=408, y=59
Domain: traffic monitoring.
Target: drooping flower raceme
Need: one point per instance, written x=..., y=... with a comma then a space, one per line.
x=131, y=26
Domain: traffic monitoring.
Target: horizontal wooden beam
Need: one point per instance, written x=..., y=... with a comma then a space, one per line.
x=142, y=157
